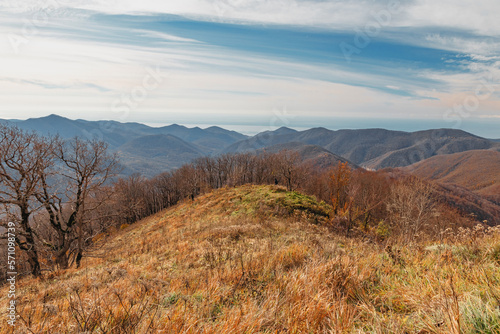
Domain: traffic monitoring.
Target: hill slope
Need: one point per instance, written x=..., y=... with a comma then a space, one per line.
x=257, y=259
x=314, y=156
x=477, y=170
x=148, y=154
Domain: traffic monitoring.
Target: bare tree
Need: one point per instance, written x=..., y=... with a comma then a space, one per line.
x=340, y=180
x=131, y=198
x=412, y=205
x=166, y=185
x=24, y=158
x=84, y=167
x=371, y=196
x=286, y=165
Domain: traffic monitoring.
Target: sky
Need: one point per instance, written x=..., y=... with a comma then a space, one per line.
x=255, y=65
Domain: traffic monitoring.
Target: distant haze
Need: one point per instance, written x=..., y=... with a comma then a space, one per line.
x=483, y=128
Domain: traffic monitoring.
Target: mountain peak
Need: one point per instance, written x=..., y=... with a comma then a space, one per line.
x=175, y=126
x=51, y=117
x=284, y=130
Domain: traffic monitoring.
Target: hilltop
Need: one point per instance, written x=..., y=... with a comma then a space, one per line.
x=259, y=259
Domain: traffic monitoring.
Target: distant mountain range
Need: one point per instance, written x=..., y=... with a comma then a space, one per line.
x=374, y=148
x=142, y=149
x=149, y=150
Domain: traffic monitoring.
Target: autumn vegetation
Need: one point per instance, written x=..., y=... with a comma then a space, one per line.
x=240, y=243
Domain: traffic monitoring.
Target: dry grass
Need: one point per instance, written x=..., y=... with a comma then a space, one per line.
x=256, y=259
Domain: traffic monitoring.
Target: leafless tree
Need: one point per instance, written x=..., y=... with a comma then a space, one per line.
x=82, y=170
x=131, y=199
x=24, y=159
x=412, y=205
x=286, y=167
x=371, y=196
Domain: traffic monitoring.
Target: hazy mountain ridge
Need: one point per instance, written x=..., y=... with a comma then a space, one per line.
x=117, y=134
x=369, y=148
x=375, y=148
x=142, y=148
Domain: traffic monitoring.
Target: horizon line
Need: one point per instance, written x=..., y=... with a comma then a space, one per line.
x=231, y=127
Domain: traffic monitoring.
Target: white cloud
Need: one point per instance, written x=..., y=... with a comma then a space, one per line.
x=480, y=48
x=166, y=37
x=199, y=83
x=479, y=17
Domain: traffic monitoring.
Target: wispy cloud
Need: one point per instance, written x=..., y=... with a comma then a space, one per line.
x=250, y=56
x=51, y=85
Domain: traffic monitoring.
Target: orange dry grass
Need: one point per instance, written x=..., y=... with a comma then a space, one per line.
x=255, y=259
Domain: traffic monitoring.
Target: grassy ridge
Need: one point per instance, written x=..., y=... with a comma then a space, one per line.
x=258, y=259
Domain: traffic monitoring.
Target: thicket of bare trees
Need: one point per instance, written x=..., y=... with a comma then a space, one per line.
x=357, y=196
x=137, y=197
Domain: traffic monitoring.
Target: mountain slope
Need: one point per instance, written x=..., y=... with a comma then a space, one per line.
x=313, y=156
x=477, y=170
x=258, y=259
x=155, y=153
x=483, y=208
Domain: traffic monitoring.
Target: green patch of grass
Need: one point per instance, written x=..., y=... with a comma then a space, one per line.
x=256, y=200
x=495, y=253
x=297, y=201
x=291, y=201
x=480, y=317
x=171, y=299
